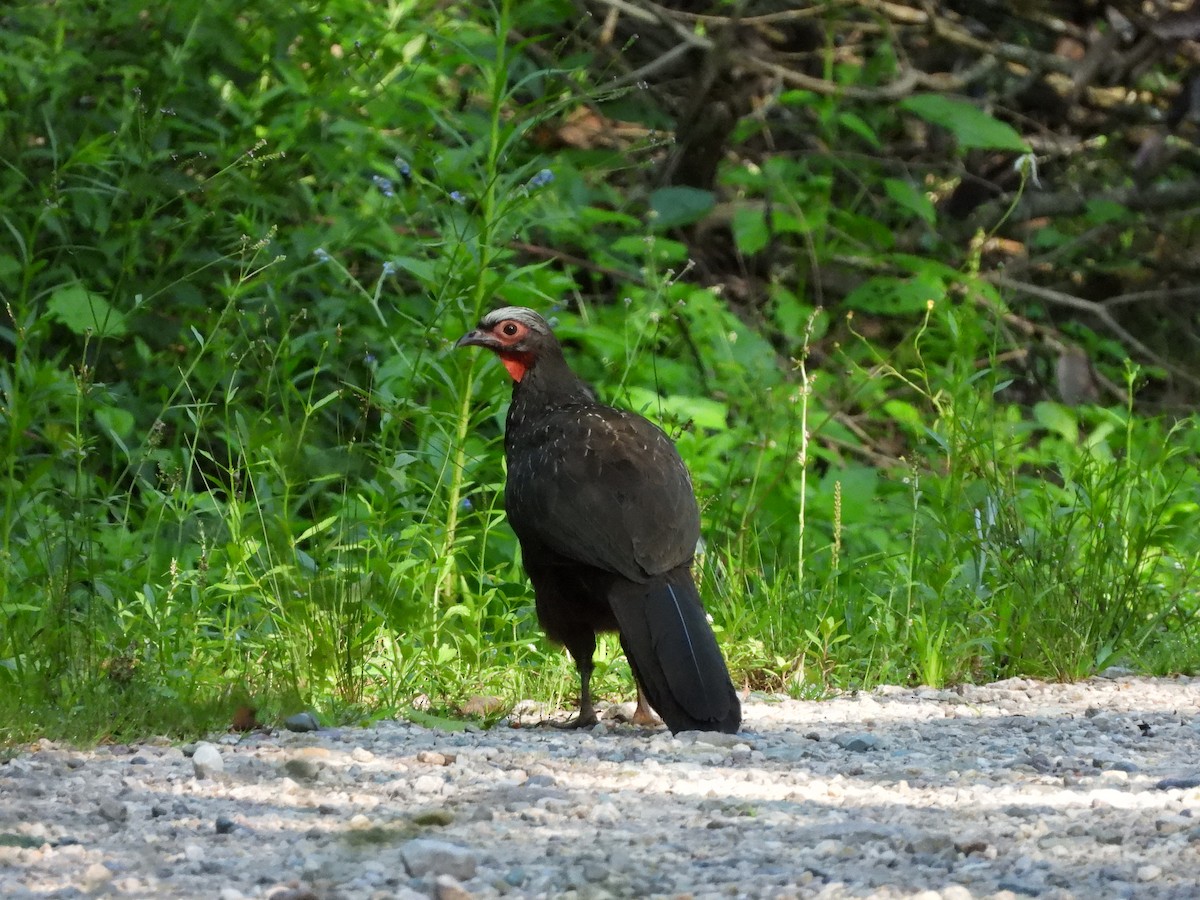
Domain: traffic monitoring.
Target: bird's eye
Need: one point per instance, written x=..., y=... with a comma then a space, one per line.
x=510, y=328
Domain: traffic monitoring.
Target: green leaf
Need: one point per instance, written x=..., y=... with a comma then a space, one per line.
x=422, y=269
x=904, y=413
x=703, y=412
x=117, y=422
x=659, y=250
x=671, y=207
x=855, y=124
x=428, y=720
x=83, y=312
x=971, y=126
x=750, y=232
x=1056, y=418
x=888, y=295
x=905, y=195
x=1103, y=211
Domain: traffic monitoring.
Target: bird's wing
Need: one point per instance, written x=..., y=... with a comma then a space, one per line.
x=606, y=488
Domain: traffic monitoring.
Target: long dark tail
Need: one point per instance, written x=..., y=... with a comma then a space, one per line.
x=674, y=654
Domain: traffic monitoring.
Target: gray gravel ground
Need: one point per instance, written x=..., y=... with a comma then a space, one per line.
x=1007, y=790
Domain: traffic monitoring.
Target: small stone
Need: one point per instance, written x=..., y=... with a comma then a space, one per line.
x=1119, y=765
x=428, y=784
x=933, y=844
x=426, y=856
x=710, y=738
x=447, y=887
x=97, y=874
x=1149, y=872
x=302, y=769
x=1184, y=783
x=230, y=893
x=432, y=758
x=1172, y=824
x=361, y=755
x=294, y=892
x=224, y=824
x=193, y=853
x=113, y=810
x=1018, y=887
x=858, y=743
x=206, y=760
x=302, y=722
x=483, y=705
x=604, y=814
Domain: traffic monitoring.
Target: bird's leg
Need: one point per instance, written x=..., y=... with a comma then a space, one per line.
x=644, y=715
x=583, y=651
x=587, y=712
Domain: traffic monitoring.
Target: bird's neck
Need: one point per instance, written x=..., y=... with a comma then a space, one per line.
x=548, y=384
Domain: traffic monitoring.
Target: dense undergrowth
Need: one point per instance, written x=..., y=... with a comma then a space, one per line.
x=241, y=466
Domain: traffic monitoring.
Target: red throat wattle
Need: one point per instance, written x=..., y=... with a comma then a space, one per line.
x=516, y=363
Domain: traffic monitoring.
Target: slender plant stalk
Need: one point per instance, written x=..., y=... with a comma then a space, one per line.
x=488, y=212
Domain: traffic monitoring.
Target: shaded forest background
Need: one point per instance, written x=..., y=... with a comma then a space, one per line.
x=913, y=286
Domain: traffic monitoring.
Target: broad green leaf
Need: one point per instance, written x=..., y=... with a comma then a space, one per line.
x=679, y=205
x=1100, y=211
x=117, y=422
x=971, y=126
x=703, y=412
x=83, y=312
x=750, y=232
x=858, y=486
x=905, y=195
x=888, y=295
x=905, y=413
x=1058, y=419
x=422, y=269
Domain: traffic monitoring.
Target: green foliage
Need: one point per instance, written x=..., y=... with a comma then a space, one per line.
x=239, y=464
x=971, y=126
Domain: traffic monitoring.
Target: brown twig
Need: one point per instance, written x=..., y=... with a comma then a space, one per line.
x=1035, y=205
x=1099, y=311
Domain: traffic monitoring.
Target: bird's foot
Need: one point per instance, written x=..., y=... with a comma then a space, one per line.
x=577, y=722
x=645, y=717
x=586, y=719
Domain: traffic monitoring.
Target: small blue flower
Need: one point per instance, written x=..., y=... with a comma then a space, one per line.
x=466, y=505
x=389, y=268
x=384, y=184
x=369, y=359
x=321, y=255
x=541, y=179
x=403, y=167
x=457, y=197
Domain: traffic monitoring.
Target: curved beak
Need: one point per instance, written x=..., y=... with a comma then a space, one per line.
x=476, y=338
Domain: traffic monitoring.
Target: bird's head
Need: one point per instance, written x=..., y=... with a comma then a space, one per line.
x=516, y=334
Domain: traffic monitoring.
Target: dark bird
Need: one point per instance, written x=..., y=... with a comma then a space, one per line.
x=608, y=524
